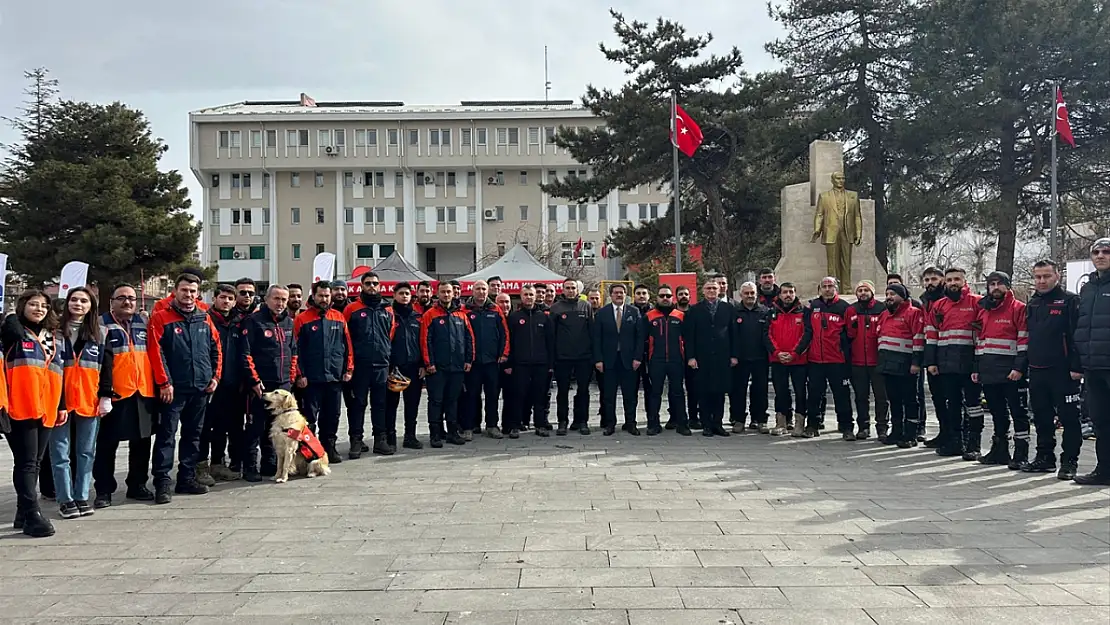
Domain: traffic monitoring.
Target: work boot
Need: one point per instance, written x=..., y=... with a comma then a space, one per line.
x=1068, y=469
x=204, y=474
x=381, y=446
x=933, y=443
x=139, y=493
x=863, y=434
x=670, y=425
x=190, y=487
x=972, y=451
x=163, y=495
x=1021, y=455
x=37, y=526
x=737, y=427
x=949, y=449
x=881, y=430
x=391, y=440
x=562, y=429
x=222, y=473
x=1098, y=477
x=1042, y=463
x=411, y=442
x=848, y=436
x=695, y=424
x=362, y=446
x=356, y=449
x=494, y=433
x=780, y=425
x=333, y=454
x=812, y=432
x=454, y=438
x=101, y=502
x=682, y=430
x=764, y=428
x=799, y=427
x=20, y=517
x=999, y=453
x=467, y=435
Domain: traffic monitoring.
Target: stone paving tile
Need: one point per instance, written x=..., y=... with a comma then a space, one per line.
x=806, y=617
x=989, y=615
x=684, y=617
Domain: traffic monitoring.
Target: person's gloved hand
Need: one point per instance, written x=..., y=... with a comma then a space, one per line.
x=105, y=406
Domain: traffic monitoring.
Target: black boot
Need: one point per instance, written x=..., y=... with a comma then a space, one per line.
x=1021, y=455
x=356, y=449
x=999, y=453
x=37, y=526
x=1042, y=463
x=411, y=442
x=971, y=447
x=1098, y=477
x=1068, y=469
x=391, y=440
x=381, y=446
x=334, y=457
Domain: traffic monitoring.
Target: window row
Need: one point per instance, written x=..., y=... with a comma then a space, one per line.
x=368, y=137
x=239, y=216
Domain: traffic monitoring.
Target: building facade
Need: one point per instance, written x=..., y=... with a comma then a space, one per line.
x=450, y=187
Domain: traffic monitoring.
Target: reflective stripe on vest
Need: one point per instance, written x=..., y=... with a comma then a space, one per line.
x=131, y=371
x=82, y=379
x=34, y=385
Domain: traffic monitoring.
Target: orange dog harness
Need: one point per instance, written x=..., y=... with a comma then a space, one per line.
x=307, y=444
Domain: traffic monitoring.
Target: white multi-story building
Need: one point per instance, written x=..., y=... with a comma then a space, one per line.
x=450, y=187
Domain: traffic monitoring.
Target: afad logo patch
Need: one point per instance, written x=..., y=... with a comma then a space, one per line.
x=268, y=334
x=178, y=330
x=521, y=322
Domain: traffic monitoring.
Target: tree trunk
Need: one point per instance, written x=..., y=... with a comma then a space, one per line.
x=874, y=154
x=719, y=238
x=1008, y=209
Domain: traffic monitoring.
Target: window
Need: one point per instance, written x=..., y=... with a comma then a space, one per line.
x=399, y=181
x=340, y=137
x=372, y=137
x=246, y=181
x=380, y=214
x=348, y=215
x=572, y=212
x=319, y=179
x=236, y=215
x=319, y=248
x=502, y=136
x=236, y=139
x=499, y=178
x=533, y=136
x=481, y=137
x=551, y=214
x=587, y=257
x=571, y=175
x=464, y=135
x=303, y=137
x=500, y=212
x=514, y=136
x=235, y=181
x=215, y=181
x=323, y=137
x=653, y=211
x=524, y=212
x=258, y=252
x=291, y=139
x=227, y=253
x=256, y=138
x=348, y=179
x=549, y=134
x=385, y=250
x=420, y=178
x=445, y=136
x=266, y=215
x=296, y=251
x=430, y=259
x=643, y=211
x=414, y=137
x=552, y=175
x=441, y=215
x=295, y=215
x=471, y=179
x=392, y=137
x=379, y=179
x=223, y=139
x=566, y=252
x=271, y=138
x=213, y=216
x=420, y=215
x=603, y=212
x=523, y=178
x=582, y=173
x=440, y=179
x=248, y=215
x=500, y=248
x=622, y=212
x=265, y=181
x=364, y=250
x=360, y=138
x=319, y=215
x=453, y=214
x=451, y=178
x=433, y=137
x=295, y=179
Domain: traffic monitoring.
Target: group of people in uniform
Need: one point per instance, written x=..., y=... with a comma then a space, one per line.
x=193, y=375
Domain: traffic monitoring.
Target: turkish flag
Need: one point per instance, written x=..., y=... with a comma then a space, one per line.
x=1063, y=126
x=578, y=248
x=685, y=132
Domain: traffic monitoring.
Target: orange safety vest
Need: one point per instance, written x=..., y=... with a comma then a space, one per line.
x=82, y=378
x=35, y=383
x=307, y=444
x=131, y=372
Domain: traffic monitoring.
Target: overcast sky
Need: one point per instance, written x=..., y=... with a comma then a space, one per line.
x=168, y=58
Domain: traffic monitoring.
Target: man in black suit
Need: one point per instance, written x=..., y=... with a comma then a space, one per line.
x=708, y=337
x=618, y=344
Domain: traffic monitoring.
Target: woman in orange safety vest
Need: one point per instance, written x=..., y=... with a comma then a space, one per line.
x=33, y=353
x=83, y=349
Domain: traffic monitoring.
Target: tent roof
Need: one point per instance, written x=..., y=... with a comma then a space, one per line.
x=397, y=269
x=517, y=264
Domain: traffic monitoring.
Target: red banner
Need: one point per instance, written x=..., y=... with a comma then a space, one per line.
x=688, y=280
x=512, y=287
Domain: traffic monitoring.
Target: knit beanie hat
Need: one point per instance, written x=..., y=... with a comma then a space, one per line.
x=899, y=290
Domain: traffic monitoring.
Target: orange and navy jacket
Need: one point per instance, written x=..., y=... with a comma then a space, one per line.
x=950, y=333
x=165, y=302
x=491, y=332
x=34, y=382
x=83, y=376
x=788, y=331
x=862, y=332
x=125, y=355
x=446, y=339
x=324, y=352
x=370, y=323
x=665, y=344
x=184, y=349
x=900, y=339
x=269, y=353
x=828, y=326
x=1002, y=340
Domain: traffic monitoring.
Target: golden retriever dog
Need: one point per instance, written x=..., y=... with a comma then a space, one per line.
x=298, y=450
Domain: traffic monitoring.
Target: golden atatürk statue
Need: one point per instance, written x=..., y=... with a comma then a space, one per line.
x=838, y=225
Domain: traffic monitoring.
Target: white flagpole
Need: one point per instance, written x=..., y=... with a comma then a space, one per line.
x=674, y=185
x=1054, y=211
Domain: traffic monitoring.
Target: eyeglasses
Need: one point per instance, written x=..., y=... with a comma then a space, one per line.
x=246, y=293
x=371, y=283
x=1100, y=252
x=665, y=296
x=125, y=298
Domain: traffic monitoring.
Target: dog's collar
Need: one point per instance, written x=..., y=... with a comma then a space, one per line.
x=278, y=414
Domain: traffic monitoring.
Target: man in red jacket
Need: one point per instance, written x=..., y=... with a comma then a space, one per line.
x=901, y=346
x=863, y=333
x=828, y=363
x=786, y=331
x=1000, y=362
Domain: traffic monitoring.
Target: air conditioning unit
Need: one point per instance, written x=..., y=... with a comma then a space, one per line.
x=428, y=180
x=237, y=255
x=489, y=214
x=491, y=181
x=331, y=150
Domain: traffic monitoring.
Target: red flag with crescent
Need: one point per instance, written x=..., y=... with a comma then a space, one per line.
x=1063, y=125
x=685, y=132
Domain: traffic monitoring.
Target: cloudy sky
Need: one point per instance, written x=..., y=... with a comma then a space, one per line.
x=168, y=58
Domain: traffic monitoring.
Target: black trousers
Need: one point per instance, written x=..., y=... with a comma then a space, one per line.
x=322, y=403
x=368, y=388
x=27, y=440
x=755, y=371
x=672, y=373
x=866, y=380
x=783, y=377
x=527, y=394
x=1097, y=382
x=481, y=379
x=258, y=449
x=444, y=390
x=937, y=393
x=901, y=391
x=834, y=376
x=223, y=426
x=104, y=463
x=1004, y=401
x=187, y=412
x=580, y=369
x=619, y=376
x=959, y=395
x=411, y=395
x=643, y=377
x=712, y=409
x=1052, y=393
x=690, y=376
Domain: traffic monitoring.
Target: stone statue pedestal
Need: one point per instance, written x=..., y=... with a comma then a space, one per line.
x=805, y=263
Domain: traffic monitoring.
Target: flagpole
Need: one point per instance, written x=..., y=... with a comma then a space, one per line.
x=1054, y=211
x=675, y=208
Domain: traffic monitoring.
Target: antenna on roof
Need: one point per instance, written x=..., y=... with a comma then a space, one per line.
x=546, y=82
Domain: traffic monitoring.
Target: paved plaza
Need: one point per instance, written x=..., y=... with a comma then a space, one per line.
x=590, y=530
